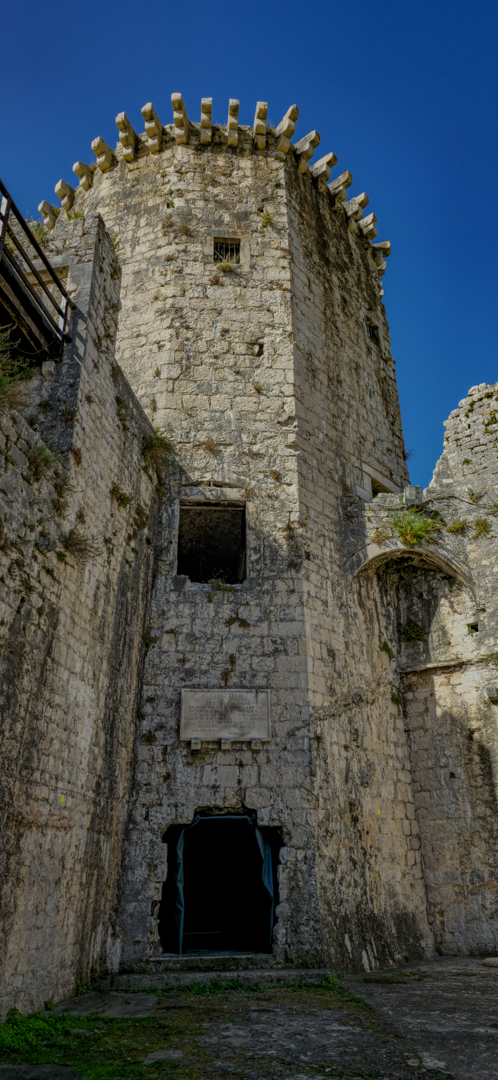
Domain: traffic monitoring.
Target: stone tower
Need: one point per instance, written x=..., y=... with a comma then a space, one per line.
x=247, y=317
x=252, y=330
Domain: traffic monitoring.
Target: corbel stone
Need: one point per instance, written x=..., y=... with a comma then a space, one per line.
x=85, y=173
x=322, y=169
x=382, y=269
x=368, y=227
x=49, y=215
x=338, y=187
x=285, y=129
x=180, y=120
x=381, y=251
x=153, y=128
x=305, y=149
x=233, y=122
x=103, y=153
x=206, y=120
x=259, y=126
x=354, y=208
x=66, y=194
x=127, y=136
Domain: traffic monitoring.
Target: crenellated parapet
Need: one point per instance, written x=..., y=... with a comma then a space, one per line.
x=275, y=142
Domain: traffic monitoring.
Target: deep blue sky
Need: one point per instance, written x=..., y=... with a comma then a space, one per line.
x=405, y=93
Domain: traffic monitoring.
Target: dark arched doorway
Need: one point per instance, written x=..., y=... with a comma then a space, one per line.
x=219, y=894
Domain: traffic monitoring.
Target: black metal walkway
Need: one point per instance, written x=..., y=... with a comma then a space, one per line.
x=33, y=299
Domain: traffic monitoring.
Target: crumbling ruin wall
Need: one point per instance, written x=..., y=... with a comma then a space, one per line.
x=439, y=619
x=75, y=571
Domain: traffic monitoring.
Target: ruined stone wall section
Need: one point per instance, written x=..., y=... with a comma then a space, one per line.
x=445, y=592
x=72, y=639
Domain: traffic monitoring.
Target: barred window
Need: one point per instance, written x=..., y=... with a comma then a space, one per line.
x=226, y=251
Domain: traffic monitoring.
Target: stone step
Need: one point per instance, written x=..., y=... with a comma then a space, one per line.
x=167, y=979
x=204, y=962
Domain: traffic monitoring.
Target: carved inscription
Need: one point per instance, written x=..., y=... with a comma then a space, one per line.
x=241, y=715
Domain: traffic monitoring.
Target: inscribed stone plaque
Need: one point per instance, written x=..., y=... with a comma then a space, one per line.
x=241, y=715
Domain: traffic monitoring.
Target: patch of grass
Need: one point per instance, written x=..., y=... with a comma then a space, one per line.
x=466, y=461
x=258, y=387
x=412, y=528
x=457, y=526
x=385, y=647
x=185, y=229
x=227, y=266
x=396, y=699
x=276, y=182
x=413, y=631
x=382, y=534
x=267, y=219
x=63, y=488
x=41, y=462
x=39, y=231
x=75, y=214
x=157, y=450
x=13, y=370
x=81, y=547
x=122, y=500
x=475, y=496
x=481, y=528
x=491, y=658
x=218, y=585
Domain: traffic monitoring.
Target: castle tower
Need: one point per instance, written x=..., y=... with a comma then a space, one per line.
x=247, y=693
x=252, y=330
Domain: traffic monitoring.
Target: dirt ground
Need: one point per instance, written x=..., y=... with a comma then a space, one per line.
x=432, y=1021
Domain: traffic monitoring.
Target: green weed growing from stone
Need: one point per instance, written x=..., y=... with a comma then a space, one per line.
x=122, y=500
x=41, y=462
x=157, y=450
x=13, y=371
x=457, y=526
x=385, y=647
x=81, y=547
x=474, y=496
x=412, y=528
x=481, y=528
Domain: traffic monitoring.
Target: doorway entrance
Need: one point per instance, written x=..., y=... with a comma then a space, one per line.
x=219, y=895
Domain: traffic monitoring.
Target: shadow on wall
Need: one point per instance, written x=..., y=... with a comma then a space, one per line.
x=450, y=722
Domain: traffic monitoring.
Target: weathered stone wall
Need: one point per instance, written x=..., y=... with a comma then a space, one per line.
x=275, y=394
x=276, y=383
x=72, y=619
x=432, y=597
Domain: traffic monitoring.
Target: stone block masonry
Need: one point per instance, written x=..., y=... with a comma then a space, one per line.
x=76, y=566
x=239, y=295
x=273, y=375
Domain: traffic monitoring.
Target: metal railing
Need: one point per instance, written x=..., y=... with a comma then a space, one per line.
x=41, y=316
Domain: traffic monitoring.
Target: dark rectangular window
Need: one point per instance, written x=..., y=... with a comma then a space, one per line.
x=226, y=251
x=212, y=542
x=373, y=332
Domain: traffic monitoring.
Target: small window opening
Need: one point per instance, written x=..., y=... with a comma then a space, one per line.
x=212, y=542
x=221, y=890
x=472, y=628
x=379, y=489
x=227, y=251
x=373, y=332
